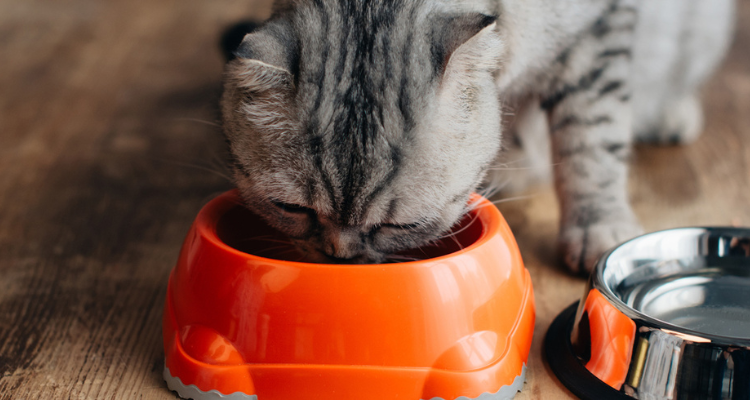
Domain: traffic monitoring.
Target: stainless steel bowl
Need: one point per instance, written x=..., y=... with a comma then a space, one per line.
x=665, y=316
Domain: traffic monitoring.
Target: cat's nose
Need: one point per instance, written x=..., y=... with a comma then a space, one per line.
x=344, y=245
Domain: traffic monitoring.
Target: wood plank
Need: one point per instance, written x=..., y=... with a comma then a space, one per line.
x=97, y=142
x=104, y=161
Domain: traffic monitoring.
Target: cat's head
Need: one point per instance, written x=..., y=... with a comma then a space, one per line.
x=362, y=131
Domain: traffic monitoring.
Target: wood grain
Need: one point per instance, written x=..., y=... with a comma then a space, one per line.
x=108, y=148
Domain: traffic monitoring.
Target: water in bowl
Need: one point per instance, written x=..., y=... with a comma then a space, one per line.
x=714, y=300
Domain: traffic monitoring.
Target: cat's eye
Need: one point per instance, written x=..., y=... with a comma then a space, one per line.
x=292, y=208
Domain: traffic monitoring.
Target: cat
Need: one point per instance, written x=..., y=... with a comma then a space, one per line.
x=361, y=128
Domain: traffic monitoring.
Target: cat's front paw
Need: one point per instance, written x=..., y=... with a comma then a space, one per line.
x=581, y=246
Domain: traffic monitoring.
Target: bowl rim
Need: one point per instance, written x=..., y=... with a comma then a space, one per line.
x=207, y=219
x=597, y=281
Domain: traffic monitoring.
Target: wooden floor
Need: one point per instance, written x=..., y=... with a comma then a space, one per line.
x=108, y=148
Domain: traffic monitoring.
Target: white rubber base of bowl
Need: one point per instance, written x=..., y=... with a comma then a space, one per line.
x=192, y=392
x=174, y=383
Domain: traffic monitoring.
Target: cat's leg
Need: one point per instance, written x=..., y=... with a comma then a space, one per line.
x=678, y=45
x=590, y=125
x=680, y=122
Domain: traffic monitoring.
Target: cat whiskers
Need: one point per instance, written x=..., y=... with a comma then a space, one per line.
x=208, y=168
x=210, y=196
x=253, y=240
x=506, y=168
x=476, y=206
x=493, y=188
x=286, y=255
x=200, y=121
x=221, y=163
x=395, y=258
x=271, y=249
x=456, y=232
x=455, y=240
x=266, y=238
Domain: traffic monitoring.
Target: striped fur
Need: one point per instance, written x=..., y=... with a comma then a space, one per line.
x=361, y=127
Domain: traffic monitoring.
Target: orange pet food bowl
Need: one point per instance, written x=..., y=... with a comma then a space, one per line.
x=456, y=325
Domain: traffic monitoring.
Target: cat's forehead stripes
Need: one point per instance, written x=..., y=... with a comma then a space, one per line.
x=357, y=90
x=342, y=107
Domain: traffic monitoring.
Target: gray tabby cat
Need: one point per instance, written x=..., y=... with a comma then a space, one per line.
x=360, y=128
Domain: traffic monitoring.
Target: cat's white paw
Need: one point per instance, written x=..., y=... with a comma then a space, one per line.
x=581, y=246
x=682, y=123
x=685, y=119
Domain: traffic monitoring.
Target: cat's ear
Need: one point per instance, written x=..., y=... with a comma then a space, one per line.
x=468, y=41
x=265, y=61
